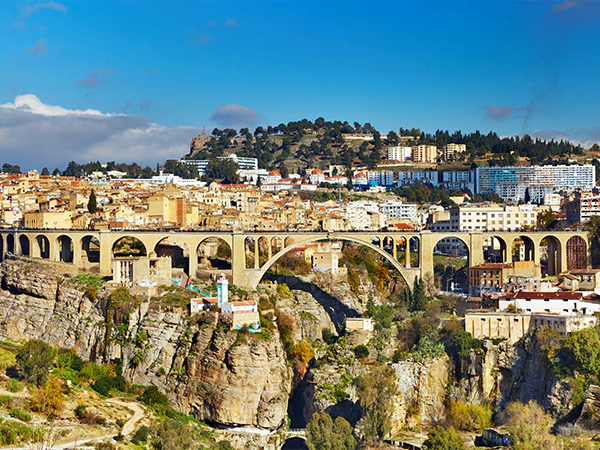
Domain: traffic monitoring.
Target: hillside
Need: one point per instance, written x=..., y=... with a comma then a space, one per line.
x=305, y=144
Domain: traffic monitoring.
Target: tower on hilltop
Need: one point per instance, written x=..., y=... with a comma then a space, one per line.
x=222, y=290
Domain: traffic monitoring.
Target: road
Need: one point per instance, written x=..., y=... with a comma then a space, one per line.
x=128, y=428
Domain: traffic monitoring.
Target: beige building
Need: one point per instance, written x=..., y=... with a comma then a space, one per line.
x=142, y=271
x=359, y=324
x=491, y=277
x=493, y=325
x=582, y=280
x=424, y=153
x=59, y=220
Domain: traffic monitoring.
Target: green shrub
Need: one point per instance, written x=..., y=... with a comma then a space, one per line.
x=442, y=439
x=20, y=415
x=14, y=385
x=468, y=417
x=154, y=398
x=284, y=291
x=141, y=435
x=6, y=401
x=34, y=360
x=361, y=351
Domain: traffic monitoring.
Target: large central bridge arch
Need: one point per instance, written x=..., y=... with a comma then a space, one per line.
x=253, y=276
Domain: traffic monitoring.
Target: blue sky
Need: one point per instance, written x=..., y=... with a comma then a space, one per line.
x=155, y=72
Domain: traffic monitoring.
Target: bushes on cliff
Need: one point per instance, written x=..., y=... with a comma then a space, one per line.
x=324, y=433
x=529, y=427
x=48, y=399
x=376, y=392
x=469, y=417
x=34, y=360
x=440, y=438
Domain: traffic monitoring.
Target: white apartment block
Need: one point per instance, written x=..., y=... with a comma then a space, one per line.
x=424, y=176
x=399, y=153
x=487, y=218
x=381, y=178
x=396, y=210
x=451, y=151
x=363, y=215
x=424, y=153
x=513, y=183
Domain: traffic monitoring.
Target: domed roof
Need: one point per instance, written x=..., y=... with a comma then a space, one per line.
x=360, y=174
x=317, y=172
x=274, y=173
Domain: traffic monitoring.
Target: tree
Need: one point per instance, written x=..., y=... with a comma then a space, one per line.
x=361, y=351
x=48, y=399
x=34, y=360
x=529, y=427
x=376, y=393
x=92, y=206
x=304, y=352
x=45, y=171
x=322, y=433
x=419, y=298
x=222, y=169
x=173, y=435
x=441, y=439
x=56, y=172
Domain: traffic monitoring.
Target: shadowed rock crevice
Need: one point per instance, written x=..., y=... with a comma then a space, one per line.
x=335, y=309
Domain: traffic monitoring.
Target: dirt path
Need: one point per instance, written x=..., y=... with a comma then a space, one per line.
x=128, y=428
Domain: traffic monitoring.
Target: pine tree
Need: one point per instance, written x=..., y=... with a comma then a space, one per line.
x=419, y=298
x=92, y=205
x=45, y=171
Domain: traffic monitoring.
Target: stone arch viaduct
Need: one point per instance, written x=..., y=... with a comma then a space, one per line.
x=565, y=249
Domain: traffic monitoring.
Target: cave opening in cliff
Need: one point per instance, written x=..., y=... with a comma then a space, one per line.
x=294, y=444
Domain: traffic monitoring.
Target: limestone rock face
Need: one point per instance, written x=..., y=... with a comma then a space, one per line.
x=589, y=418
x=310, y=317
x=214, y=374
x=422, y=392
x=503, y=373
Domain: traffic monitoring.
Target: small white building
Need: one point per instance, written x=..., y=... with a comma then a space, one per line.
x=549, y=302
x=359, y=324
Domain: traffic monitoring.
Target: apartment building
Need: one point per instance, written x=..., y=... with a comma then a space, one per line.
x=582, y=207
x=423, y=176
x=485, y=217
x=451, y=151
x=380, y=178
x=516, y=183
x=401, y=154
x=396, y=210
x=424, y=153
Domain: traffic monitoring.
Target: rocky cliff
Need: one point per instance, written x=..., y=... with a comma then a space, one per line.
x=207, y=371
x=501, y=373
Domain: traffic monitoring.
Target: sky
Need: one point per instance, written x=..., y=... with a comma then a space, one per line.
x=136, y=80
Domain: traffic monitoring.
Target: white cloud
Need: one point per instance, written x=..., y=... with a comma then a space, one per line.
x=235, y=115
x=48, y=5
x=34, y=135
x=38, y=49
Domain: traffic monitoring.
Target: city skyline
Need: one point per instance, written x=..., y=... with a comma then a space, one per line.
x=153, y=74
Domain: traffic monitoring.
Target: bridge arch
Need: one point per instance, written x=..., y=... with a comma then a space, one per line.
x=255, y=276
x=577, y=253
x=214, y=252
x=10, y=243
x=530, y=251
x=64, y=248
x=42, y=247
x=24, y=245
x=90, y=248
x=459, y=238
x=128, y=246
x=554, y=251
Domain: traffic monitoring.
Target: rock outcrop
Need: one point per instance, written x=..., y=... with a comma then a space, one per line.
x=422, y=388
x=214, y=374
